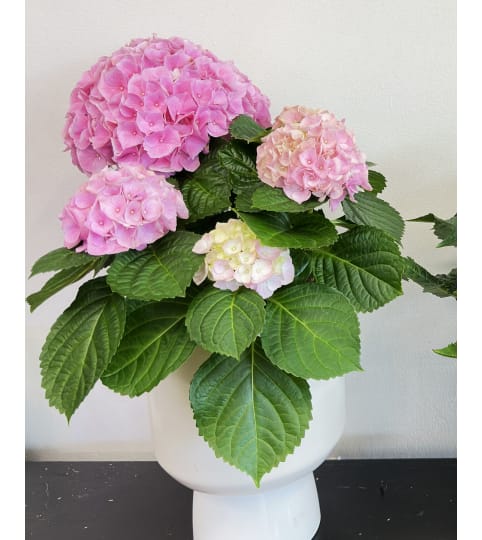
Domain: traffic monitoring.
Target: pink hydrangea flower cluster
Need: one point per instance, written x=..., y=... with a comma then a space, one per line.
x=235, y=257
x=117, y=210
x=310, y=152
x=156, y=102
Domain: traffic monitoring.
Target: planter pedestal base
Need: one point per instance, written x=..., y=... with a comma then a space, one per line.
x=286, y=513
x=226, y=504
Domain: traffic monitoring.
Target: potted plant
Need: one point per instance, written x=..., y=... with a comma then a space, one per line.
x=226, y=257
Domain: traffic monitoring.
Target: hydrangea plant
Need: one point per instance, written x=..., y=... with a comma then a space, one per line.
x=204, y=224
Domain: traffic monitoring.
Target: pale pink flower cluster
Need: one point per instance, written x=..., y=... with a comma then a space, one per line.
x=310, y=152
x=156, y=102
x=117, y=210
x=235, y=257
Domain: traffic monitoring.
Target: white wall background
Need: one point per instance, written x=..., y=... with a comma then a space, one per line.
x=388, y=67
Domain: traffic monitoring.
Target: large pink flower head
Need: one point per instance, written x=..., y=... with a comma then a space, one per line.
x=310, y=152
x=156, y=102
x=117, y=210
x=235, y=257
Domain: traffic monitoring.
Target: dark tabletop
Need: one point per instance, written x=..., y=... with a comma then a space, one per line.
x=361, y=499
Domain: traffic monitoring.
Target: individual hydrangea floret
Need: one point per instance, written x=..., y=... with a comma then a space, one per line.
x=235, y=257
x=310, y=152
x=121, y=209
x=156, y=102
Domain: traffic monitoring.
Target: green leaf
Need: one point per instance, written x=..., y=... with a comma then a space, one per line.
x=374, y=212
x=229, y=166
x=449, y=281
x=309, y=231
x=249, y=412
x=155, y=343
x=263, y=197
x=312, y=331
x=162, y=270
x=244, y=200
x=273, y=199
x=81, y=344
x=450, y=350
x=245, y=128
x=132, y=305
x=302, y=261
x=343, y=222
x=377, y=181
x=60, y=259
x=62, y=279
x=206, y=196
x=440, y=285
x=225, y=322
x=444, y=229
x=365, y=265
x=239, y=164
x=207, y=191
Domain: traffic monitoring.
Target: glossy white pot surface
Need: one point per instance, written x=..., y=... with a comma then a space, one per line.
x=185, y=455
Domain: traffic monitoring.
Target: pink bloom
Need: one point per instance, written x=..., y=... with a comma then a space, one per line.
x=156, y=102
x=121, y=209
x=129, y=134
x=163, y=143
x=310, y=152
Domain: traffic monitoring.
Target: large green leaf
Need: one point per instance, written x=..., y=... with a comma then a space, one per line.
x=155, y=343
x=207, y=191
x=309, y=231
x=225, y=322
x=312, y=331
x=206, y=195
x=245, y=128
x=239, y=164
x=132, y=305
x=250, y=413
x=62, y=279
x=365, y=265
x=274, y=200
x=370, y=210
x=162, y=270
x=450, y=350
x=229, y=166
x=81, y=344
x=440, y=285
x=60, y=259
x=244, y=200
x=444, y=229
x=377, y=181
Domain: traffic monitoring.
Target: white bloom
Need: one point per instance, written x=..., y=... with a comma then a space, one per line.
x=234, y=257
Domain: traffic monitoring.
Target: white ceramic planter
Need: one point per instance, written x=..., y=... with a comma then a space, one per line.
x=226, y=504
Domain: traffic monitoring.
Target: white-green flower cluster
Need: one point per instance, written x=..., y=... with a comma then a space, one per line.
x=235, y=257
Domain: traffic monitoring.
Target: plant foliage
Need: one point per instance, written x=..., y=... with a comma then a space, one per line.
x=141, y=321
x=441, y=285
